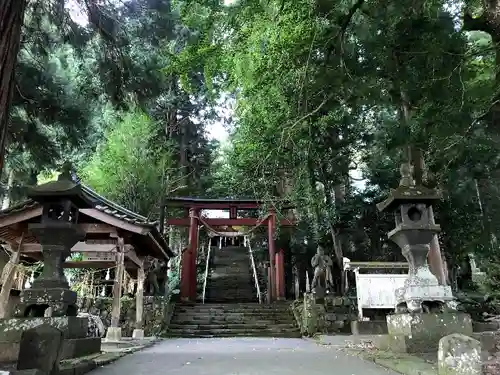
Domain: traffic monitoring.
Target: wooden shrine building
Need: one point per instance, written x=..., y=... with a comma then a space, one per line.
x=193, y=218
x=112, y=236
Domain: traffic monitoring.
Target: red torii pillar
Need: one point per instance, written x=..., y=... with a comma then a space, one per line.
x=277, y=267
x=280, y=275
x=271, y=227
x=188, y=265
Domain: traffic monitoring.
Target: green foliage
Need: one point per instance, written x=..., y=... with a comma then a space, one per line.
x=127, y=168
x=321, y=90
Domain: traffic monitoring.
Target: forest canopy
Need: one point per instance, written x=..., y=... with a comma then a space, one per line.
x=322, y=102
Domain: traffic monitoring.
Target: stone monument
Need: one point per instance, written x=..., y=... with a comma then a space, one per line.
x=425, y=310
x=57, y=233
x=322, y=279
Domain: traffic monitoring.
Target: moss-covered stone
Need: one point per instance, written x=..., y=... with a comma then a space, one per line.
x=328, y=315
x=402, y=363
x=420, y=333
x=459, y=355
x=157, y=313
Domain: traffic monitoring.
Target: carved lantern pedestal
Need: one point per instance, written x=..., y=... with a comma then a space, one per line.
x=51, y=288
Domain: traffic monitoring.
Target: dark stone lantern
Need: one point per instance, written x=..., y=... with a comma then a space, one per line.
x=57, y=233
x=413, y=233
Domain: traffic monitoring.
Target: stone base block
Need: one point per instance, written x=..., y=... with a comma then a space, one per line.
x=420, y=332
x=485, y=326
x=490, y=343
x=71, y=326
x=75, y=348
x=33, y=371
x=370, y=327
x=9, y=351
x=72, y=348
x=113, y=334
x=138, y=334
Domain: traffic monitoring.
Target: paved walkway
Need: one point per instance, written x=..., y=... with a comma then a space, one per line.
x=240, y=356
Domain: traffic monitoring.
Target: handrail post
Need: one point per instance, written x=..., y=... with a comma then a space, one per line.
x=254, y=269
x=207, y=267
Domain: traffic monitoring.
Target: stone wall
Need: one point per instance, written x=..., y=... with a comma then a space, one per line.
x=157, y=313
x=331, y=315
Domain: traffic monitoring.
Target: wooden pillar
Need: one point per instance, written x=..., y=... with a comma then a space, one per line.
x=280, y=275
x=271, y=225
x=233, y=212
x=185, y=274
x=193, y=249
x=139, y=303
x=8, y=276
x=269, y=285
x=114, y=332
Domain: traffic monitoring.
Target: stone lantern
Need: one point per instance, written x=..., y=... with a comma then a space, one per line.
x=415, y=228
x=425, y=310
x=57, y=233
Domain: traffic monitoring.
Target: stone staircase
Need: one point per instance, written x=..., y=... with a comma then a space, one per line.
x=231, y=278
x=232, y=307
x=233, y=320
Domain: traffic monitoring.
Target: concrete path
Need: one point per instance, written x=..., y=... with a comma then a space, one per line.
x=240, y=356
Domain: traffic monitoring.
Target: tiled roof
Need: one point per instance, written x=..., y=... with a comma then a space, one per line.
x=98, y=202
x=111, y=208
x=104, y=205
x=27, y=204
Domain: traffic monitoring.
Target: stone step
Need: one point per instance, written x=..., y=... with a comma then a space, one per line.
x=231, y=294
x=231, y=315
x=209, y=336
x=222, y=321
x=239, y=311
x=263, y=306
x=234, y=332
x=230, y=288
x=210, y=298
x=210, y=320
x=243, y=325
x=231, y=278
x=223, y=288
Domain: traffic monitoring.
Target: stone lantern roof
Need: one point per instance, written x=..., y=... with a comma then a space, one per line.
x=409, y=194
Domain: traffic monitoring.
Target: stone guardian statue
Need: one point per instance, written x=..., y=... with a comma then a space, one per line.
x=322, y=265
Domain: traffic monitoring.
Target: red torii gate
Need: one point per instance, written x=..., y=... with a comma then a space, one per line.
x=192, y=208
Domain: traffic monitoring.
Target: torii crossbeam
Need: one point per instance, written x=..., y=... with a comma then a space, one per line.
x=192, y=209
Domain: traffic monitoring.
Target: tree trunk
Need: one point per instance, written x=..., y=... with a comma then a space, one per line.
x=162, y=213
x=339, y=239
x=489, y=22
x=184, y=161
x=11, y=21
x=7, y=194
x=485, y=219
